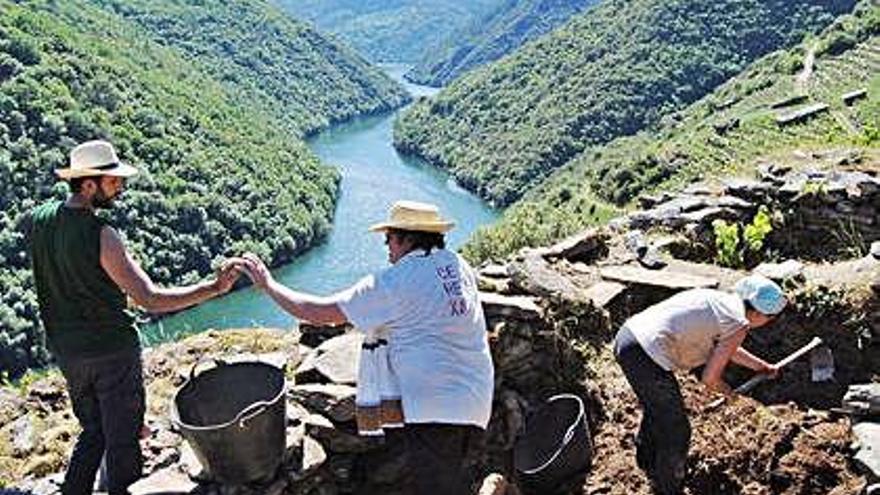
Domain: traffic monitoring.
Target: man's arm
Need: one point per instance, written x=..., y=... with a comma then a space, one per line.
x=131, y=278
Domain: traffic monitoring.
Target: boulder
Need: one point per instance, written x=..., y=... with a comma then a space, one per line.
x=533, y=274
x=24, y=436
x=167, y=481
x=315, y=335
x=788, y=269
x=604, y=293
x=522, y=308
x=585, y=246
x=12, y=405
x=335, y=360
x=313, y=457
x=494, y=271
x=668, y=279
x=868, y=456
x=332, y=400
x=337, y=440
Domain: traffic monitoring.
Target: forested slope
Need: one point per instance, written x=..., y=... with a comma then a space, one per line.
x=611, y=71
x=221, y=175
x=488, y=39
x=390, y=30
x=255, y=49
x=725, y=133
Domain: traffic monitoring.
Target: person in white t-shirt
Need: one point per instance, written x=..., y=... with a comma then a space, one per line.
x=698, y=327
x=426, y=303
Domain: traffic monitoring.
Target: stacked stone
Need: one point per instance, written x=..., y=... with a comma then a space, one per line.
x=826, y=214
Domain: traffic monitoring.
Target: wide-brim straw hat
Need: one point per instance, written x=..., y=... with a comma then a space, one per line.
x=414, y=216
x=94, y=158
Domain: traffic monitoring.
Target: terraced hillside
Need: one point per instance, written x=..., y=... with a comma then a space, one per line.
x=726, y=132
x=513, y=24
x=222, y=174
x=612, y=71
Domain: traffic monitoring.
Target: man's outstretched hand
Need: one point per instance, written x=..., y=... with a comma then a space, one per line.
x=227, y=274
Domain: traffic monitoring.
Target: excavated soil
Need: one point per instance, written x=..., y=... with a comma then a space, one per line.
x=742, y=447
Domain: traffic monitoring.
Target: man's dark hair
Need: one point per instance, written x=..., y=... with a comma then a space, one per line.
x=749, y=306
x=76, y=183
x=421, y=240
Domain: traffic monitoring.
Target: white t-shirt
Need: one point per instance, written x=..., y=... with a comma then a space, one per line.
x=682, y=331
x=438, y=346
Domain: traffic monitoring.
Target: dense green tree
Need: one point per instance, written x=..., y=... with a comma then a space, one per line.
x=390, y=30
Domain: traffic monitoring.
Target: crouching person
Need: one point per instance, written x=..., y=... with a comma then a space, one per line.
x=698, y=327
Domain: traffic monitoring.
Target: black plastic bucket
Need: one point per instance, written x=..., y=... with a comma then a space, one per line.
x=555, y=446
x=234, y=418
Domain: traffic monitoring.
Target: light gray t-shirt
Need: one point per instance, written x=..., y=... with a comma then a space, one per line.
x=682, y=332
x=437, y=341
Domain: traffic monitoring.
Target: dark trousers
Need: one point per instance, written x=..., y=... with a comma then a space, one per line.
x=665, y=433
x=444, y=459
x=107, y=394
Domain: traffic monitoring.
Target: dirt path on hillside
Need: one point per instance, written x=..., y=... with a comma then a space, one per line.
x=803, y=77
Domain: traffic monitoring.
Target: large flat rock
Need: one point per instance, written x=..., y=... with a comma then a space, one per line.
x=604, y=293
x=333, y=400
x=517, y=307
x=168, y=481
x=666, y=278
x=868, y=456
x=533, y=274
x=336, y=360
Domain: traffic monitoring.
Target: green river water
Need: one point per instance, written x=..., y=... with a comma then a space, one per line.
x=374, y=175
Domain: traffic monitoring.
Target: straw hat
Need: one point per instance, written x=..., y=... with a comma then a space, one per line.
x=412, y=215
x=94, y=158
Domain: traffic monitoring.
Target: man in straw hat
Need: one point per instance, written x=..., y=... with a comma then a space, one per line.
x=694, y=328
x=438, y=349
x=83, y=274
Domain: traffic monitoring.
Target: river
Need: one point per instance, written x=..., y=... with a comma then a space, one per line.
x=374, y=175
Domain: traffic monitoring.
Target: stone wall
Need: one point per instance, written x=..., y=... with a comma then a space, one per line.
x=820, y=214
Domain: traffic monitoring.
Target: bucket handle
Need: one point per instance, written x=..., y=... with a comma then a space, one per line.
x=217, y=363
x=250, y=412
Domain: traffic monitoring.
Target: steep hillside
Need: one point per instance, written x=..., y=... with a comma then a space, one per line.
x=221, y=174
x=251, y=47
x=488, y=39
x=724, y=133
x=389, y=30
x=611, y=71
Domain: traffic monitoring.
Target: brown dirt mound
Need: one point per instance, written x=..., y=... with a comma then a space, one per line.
x=742, y=447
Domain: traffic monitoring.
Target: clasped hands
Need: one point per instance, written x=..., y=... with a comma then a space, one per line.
x=249, y=264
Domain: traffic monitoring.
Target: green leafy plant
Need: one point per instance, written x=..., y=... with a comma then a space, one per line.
x=727, y=243
x=817, y=301
x=817, y=188
x=734, y=250
x=756, y=232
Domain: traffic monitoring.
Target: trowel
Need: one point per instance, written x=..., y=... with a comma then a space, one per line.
x=822, y=364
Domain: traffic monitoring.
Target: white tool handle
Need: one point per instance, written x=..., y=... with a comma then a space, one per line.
x=751, y=383
x=745, y=387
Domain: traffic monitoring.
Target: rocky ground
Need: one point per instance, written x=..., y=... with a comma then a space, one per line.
x=552, y=313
